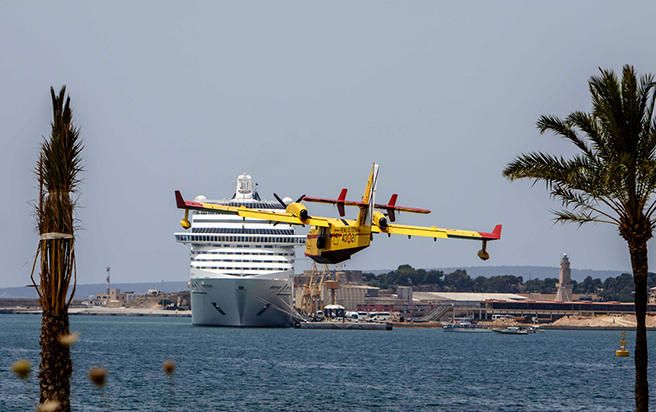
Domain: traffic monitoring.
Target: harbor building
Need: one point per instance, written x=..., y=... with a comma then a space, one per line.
x=564, y=293
x=112, y=298
x=551, y=310
x=435, y=306
x=344, y=286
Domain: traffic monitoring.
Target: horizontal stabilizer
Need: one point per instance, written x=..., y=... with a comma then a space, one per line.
x=340, y=201
x=333, y=201
x=391, y=207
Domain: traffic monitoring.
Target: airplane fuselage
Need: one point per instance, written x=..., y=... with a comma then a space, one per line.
x=338, y=242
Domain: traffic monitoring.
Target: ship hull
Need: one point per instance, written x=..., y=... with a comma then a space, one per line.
x=241, y=302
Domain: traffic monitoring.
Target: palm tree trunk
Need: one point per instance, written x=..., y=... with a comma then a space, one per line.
x=56, y=368
x=638, y=251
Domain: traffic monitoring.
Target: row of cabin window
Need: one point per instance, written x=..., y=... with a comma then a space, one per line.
x=258, y=253
x=243, y=231
x=239, y=270
x=195, y=238
x=232, y=219
x=238, y=260
x=251, y=246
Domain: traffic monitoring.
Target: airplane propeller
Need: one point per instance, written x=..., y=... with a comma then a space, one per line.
x=285, y=204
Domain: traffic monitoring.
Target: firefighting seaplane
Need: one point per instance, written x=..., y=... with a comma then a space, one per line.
x=333, y=240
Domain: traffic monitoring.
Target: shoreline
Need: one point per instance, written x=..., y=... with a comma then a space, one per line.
x=105, y=312
x=142, y=312
x=556, y=327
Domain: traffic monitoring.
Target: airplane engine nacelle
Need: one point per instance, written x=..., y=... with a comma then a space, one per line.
x=380, y=220
x=298, y=210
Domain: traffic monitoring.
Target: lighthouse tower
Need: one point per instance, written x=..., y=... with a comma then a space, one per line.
x=564, y=281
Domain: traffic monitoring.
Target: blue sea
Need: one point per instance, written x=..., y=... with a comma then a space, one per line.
x=226, y=369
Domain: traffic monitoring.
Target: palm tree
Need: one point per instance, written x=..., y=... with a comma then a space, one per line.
x=57, y=171
x=611, y=179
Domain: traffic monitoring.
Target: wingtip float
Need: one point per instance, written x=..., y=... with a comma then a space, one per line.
x=494, y=235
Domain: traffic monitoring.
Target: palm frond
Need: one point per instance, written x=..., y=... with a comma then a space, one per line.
x=589, y=125
x=583, y=202
x=567, y=216
x=558, y=126
x=537, y=166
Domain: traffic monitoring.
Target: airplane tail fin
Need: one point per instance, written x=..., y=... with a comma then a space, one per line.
x=341, y=199
x=369, y=197
x=179, y=200
x=494, y=235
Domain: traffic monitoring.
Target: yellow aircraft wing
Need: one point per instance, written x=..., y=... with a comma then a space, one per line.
x=282, y=217
x=436, y=232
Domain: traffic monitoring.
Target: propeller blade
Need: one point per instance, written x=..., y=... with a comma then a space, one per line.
x=280, y=200
x=300, y=198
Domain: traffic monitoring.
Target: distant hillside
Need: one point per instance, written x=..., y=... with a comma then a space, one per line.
x=536, y=272
x=527, y=272
x=83, y=291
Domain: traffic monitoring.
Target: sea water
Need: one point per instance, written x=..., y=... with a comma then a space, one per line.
x=230, y=369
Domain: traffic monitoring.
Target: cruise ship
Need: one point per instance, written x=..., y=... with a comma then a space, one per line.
x=241, y=269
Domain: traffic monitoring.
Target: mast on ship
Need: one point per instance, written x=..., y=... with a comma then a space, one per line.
x=244, y=189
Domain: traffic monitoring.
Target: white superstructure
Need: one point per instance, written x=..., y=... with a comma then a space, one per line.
x=240, y=269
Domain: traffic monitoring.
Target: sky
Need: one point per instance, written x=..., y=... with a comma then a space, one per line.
x=304, y=96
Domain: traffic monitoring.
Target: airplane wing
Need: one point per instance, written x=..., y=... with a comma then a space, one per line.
x=282, y=217
x=437, y=232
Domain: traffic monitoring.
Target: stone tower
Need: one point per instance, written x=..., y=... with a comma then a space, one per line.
x=564, y=281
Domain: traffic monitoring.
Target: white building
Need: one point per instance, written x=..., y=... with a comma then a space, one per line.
x=564, y=281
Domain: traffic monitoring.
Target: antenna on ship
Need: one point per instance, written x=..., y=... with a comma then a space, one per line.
x=256, y=194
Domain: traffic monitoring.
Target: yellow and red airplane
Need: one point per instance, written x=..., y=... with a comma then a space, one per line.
x=334, y=240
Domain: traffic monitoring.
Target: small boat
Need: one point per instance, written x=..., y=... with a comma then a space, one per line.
x=464, y=326
x=514, y=330
x=622, y=352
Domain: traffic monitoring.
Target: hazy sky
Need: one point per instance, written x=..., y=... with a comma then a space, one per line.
x=304, y=96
